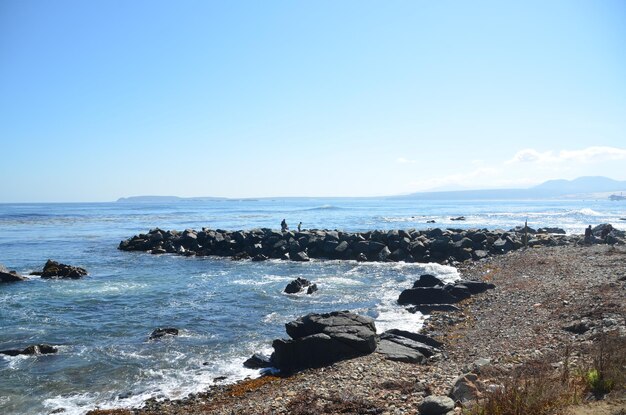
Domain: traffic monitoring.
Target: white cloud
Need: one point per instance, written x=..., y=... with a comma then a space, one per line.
x=403, y=160
x=593, y=154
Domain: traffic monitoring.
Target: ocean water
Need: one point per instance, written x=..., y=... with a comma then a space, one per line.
x=226, y=310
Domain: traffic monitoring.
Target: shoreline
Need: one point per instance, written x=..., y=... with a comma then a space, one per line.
x=538, y=292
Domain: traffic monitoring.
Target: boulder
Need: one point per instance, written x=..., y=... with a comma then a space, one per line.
x=433, y=295
x=311, y=289
x=429, y=308
x=321, y=339
x=466, y=389
x=427, y=280
x=300, y=256
x=551, y=230
x=475, y=287
x=418, y=337
x=161, y=332
x=423, y=348
x=10, y=276
x=258, y=361
x=398, y=352
x=458, y=218
x=31, y=350
x=54, y=269
x=436, y=405
x=298, y=285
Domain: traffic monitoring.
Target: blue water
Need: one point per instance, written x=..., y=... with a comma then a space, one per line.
x=226, y=310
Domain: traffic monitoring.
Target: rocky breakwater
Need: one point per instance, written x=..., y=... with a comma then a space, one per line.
x=431, y=245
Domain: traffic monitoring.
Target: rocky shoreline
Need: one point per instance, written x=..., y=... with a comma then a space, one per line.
x=431, y=245
x=547, y=300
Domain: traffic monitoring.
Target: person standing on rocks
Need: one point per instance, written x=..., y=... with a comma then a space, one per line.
x=300, y=227
x=283, y=226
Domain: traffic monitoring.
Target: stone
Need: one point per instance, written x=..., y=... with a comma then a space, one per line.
x=578, y=327
x=31, y=350
x=418, y=337
x=429, y=308
x=10, y=276
x=258, y=361
x=398, y=352
x=436, y=405
x=54, y=269
x=300, y=256
x=311, y=289
x=426, y=281
x=161, y=332
x=458, y=218
x=297, y=285
x=475, y=287
x=424, y=349
x=465, y=389
x=321, y=339
x=433, y=295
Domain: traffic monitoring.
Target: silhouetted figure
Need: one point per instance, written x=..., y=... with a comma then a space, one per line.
x=588, y=235
x=299, y=226
x=283, y=226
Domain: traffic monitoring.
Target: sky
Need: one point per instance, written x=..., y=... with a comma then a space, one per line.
x=105, y=99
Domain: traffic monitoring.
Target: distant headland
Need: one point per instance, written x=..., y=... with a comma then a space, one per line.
x=581, y=188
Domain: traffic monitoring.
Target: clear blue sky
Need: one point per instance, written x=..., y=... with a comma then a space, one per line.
x=103, y=99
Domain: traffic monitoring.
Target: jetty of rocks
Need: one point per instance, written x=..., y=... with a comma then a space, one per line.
x=430, y=245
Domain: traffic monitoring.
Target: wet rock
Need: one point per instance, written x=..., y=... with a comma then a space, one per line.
x=300, y=256
x=258, y=361
x=429, y=308
x=10, y=276
x=436, y=405
x=297, y=285
x=420, y=296
x=31, y=350
x=427, y=281
x=161, y=332
x=311, y=289
x=54, y=269
x=259, y=258
x=458, y=218
x=321, y=339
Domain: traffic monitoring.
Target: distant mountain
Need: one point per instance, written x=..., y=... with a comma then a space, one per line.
x=163, y=199
x=582, y=187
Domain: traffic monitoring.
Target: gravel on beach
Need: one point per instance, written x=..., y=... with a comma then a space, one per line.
x=539, y=292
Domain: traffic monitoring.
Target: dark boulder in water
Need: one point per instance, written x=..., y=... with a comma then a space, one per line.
x=161, y=332
x=432, y=295
x=10, y=276
x=298, y=285
x=36, y=349
x=54, y=269
x=427, y=280
x=258, y=361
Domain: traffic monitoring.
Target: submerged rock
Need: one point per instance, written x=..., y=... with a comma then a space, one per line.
x=161, y=332
x=36, y=349
x=258, y=361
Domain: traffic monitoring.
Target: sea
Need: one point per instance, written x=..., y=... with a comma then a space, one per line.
x=226, y=310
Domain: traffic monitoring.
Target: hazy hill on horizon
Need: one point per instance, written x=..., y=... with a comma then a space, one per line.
x=582, y=188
